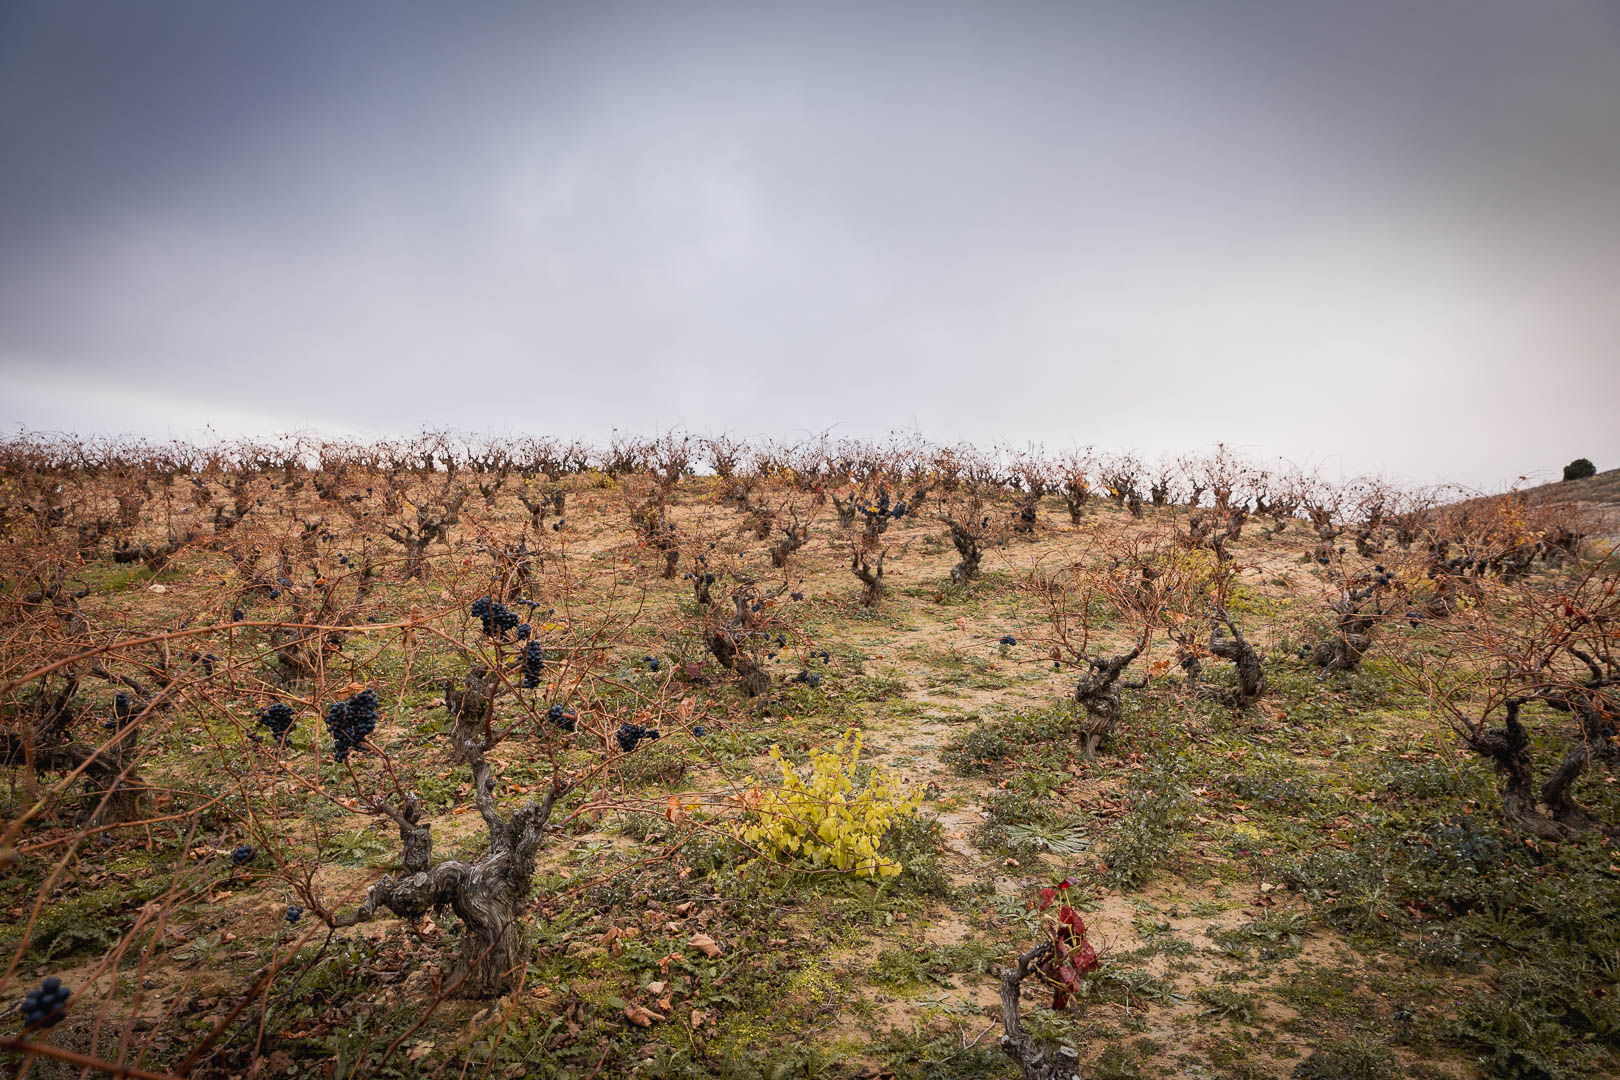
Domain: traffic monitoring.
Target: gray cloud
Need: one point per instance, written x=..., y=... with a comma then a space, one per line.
x=1378, y=236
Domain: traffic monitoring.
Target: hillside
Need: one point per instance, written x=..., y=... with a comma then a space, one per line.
x=1312, y=878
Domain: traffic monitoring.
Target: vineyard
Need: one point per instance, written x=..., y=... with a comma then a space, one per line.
x=697, y=757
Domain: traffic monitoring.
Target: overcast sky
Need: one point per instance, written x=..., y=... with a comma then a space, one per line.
x=1373, y=237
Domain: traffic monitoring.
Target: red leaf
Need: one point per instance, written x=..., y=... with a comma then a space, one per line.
x=1086, y=956
x=1047, y=896
x=1070, y=919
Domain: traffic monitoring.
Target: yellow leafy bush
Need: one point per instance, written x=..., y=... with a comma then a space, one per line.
x=818, y=815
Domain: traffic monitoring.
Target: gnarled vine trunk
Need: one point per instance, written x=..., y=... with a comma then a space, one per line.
x=487, y=894
x=1098, y=692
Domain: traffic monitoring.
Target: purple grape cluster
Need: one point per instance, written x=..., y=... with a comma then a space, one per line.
x=496, y=617
x=630, y=734
x=241, y=854
x=279, y=718
x=123, y=709
x=46, y=1006
x=351, y=721
x=562, y=718
x=534, y=658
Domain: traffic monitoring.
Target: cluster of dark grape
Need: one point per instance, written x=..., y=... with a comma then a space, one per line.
x=1008, y=639
x=880, y=508
x=496, y=616
x=630, y=734
x=698, y=730
x=46, y=1006
x=523, y=631
x=241, y=854
x=294, y=913
x=561, y=717
x=351, y=721
x=123, y=709
x=653, y=663
x=812, y=680
x=279, y=719
x=534, y=658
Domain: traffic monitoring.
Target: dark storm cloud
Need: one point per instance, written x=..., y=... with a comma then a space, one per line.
x=1375, y=236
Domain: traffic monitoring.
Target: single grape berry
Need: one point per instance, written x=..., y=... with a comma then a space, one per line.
x=46, y=1006
x=242, y=854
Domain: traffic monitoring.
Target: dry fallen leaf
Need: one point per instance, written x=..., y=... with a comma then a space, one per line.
x=656, y=988
x=705, y=944
x=638, y=1015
